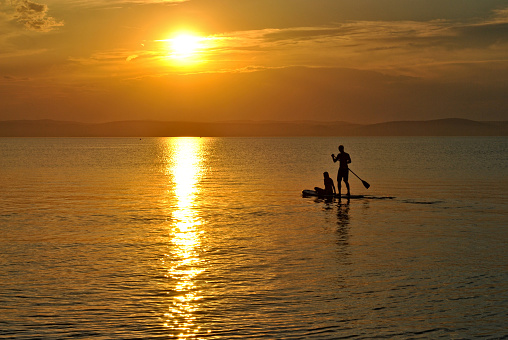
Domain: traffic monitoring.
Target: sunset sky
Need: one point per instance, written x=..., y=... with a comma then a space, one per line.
x=361, y=61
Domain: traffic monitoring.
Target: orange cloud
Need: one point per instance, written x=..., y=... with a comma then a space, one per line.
x=34, y=16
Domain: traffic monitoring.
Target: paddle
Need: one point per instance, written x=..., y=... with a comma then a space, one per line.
x=365, y=184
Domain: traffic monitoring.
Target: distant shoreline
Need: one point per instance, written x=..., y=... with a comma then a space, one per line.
x=144, y=128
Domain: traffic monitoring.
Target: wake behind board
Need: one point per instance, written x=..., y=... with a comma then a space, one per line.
x=312, y=193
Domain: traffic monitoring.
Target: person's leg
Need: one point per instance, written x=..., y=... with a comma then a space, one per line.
x=339, y=180
x=347, y=186
x=319, y=191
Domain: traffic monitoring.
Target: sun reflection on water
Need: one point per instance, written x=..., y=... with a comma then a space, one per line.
x=185, y=167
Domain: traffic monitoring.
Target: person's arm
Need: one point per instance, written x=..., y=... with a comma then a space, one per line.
x=334, y=159
x=348, y=159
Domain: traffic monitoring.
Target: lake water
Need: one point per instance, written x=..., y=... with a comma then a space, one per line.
x=210, y=238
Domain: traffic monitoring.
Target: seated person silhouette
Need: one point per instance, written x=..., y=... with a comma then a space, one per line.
x=329, y=189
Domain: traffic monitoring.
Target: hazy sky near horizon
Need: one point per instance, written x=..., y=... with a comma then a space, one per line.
x=362, y=61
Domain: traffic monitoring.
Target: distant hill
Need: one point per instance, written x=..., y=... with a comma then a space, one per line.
x=440, y=127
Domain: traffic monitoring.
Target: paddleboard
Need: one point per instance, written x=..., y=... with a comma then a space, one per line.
x=312, y=193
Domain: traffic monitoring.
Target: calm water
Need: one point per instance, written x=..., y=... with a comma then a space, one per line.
x=210, y=238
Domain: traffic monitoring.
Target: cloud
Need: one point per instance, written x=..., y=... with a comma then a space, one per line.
x=402, y=47
x=34, y=16
x=119, y=3
x=131, y=57
x=14, y=79
x=425, y=49
x=500, y=16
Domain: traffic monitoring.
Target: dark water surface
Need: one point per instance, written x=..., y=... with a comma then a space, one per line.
x=210, y=238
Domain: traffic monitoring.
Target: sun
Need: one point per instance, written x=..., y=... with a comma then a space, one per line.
x=185, y=48
x=184, y=45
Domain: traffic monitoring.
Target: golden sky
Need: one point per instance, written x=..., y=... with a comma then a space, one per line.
x=361, y=61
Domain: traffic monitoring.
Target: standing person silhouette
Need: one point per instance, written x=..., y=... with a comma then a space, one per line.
x=343, y=173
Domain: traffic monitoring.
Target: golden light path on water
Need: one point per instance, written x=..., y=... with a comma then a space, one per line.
x=185, y=167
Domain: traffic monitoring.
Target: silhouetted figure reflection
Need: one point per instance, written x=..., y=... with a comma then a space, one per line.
x=329, y=190
x=343, y=173
x=343, y=224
